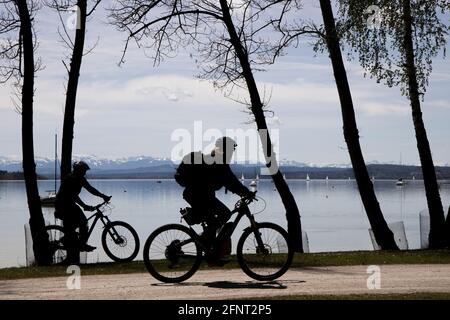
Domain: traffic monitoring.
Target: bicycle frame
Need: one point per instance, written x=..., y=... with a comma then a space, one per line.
x=241, y=210
x=98, y=215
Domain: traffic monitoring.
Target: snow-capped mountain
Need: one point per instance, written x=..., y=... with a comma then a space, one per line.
x=140, y=167
x=293, y=163
x=47, y=165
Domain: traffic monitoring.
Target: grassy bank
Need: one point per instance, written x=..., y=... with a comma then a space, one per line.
x=300, y=260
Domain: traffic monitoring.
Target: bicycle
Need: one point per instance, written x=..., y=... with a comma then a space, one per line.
x=174, y=252
x=119, y=240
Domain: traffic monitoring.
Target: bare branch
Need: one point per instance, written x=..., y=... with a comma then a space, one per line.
x=97, y=2
x=162, y=27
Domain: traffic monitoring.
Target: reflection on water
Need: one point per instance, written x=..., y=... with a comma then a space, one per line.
x=332, y=212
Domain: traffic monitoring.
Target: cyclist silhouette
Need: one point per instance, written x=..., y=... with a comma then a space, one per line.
x=68, y=202
x=202, y=175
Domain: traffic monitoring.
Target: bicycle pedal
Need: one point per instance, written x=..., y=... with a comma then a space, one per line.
x=87, y=248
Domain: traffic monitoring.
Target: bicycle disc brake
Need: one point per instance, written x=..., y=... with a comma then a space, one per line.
x=173, y=252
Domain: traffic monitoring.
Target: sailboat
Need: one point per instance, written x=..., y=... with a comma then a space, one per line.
x=307, y=177
x=49, y=200
x=254, y=183
x=242, y=177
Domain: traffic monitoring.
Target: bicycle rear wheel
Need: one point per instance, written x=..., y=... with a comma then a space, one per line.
x=264, y=254
x=56, y=237
x=120, y=241
x=171, y=255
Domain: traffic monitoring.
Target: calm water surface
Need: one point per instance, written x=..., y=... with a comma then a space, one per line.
x=332, y=212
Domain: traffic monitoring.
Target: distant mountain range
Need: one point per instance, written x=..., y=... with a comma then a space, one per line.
x=46, y=166
x=146, y=167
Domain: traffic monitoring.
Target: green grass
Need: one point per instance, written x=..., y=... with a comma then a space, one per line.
x=372, y=257
x=300, y=260
x=375, y=296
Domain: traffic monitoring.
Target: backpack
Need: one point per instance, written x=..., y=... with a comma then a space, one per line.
x=185, y=173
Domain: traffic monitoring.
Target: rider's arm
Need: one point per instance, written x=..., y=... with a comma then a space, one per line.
x=92, y=190
x=234, y=185
x=81, y=203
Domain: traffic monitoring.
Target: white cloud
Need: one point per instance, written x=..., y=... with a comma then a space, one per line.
x=384, y=109
x=438, y=104
x=171, y=94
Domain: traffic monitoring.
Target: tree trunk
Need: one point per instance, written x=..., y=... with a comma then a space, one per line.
x=73, y=253
x=435, y=208
x=292, y=212
x=447, y=229
x=383, y=234
x=71, y=95
x=41, y=246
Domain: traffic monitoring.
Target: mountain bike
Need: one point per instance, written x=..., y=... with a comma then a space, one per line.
x=174, y=252
x=119, y=240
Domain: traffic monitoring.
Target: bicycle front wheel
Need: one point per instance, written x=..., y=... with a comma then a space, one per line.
x=56, y=238
x=120, y=241
x=171, y=255
x=264, y=254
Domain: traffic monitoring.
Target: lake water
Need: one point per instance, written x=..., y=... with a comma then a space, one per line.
x=332, y=212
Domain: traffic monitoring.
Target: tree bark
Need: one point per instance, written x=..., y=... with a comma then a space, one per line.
x=292, y=211
x=383, y=234
x=71, y=95
x=447, y=229
x=435, y=208
x=41, y=246
x=73, y=253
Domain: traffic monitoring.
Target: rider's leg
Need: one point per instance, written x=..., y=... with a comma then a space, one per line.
x=83, y=227
x=220, y=215
x=196, y=199
x=219, y=210
x=215, y=214
x=71, y=241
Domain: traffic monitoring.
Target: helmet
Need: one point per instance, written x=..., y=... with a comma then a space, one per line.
x=225, y=144
x=80, y=165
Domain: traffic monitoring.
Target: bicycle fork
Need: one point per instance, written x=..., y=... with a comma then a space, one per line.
x=254, y=226
x=112, y=231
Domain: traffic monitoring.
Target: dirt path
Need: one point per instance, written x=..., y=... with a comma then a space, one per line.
x=227, y=284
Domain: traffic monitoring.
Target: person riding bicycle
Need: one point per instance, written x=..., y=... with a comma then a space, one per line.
x=68, y=202
x=202, y=175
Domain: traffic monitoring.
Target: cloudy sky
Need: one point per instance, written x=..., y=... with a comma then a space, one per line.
x=134, y=109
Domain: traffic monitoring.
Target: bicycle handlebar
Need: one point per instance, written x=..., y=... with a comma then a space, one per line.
x=247, y=199
x=101, y=205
